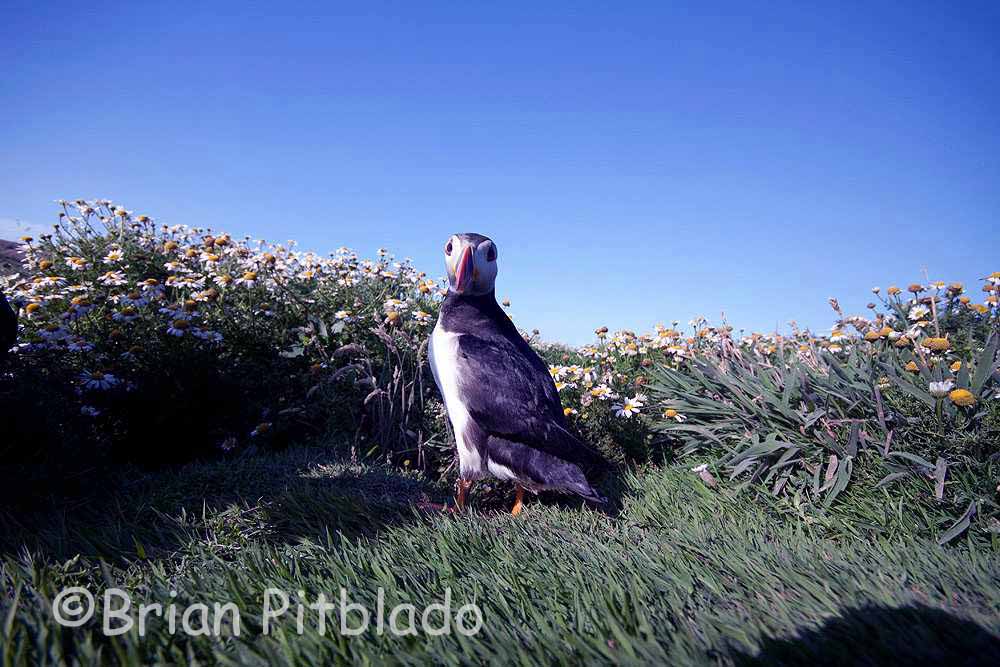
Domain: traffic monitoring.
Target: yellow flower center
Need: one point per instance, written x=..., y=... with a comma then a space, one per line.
x=962, y=397
x=936, y=344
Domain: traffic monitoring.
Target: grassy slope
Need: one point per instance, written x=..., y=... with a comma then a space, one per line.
x=673, y=571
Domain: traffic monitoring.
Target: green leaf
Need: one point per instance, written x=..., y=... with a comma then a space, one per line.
x=914, y=458
x=959, y=526
x=984, y=367
x=913, y=390
x=842, y=478
x=892, y=477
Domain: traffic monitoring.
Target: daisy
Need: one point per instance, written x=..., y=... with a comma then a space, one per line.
x=205, y=334
x=602, y=392
x=178, y=327
x=127, y=314
x=631, y=406
x=79, y=345
x=421, y=316
x=918, y=312
x=112, y=279
x=53, y=332
x=249, y=279
x=394, y=304
x=98, y=380
x=670, y=413
x=114, y=256
x=941, y=389
x=50, y=281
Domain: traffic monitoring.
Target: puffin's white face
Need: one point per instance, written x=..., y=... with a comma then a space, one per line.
x=471, y=260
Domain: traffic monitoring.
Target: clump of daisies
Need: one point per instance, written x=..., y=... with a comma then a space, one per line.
x=117, y=300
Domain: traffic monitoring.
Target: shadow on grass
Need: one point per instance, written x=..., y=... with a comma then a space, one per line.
x=913, y=635
x=122, y=513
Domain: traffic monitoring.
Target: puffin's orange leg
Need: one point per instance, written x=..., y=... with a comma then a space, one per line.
x=518, y=502
x=463, y=492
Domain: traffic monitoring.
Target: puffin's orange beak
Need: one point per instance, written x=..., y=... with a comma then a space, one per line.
x=463, y=272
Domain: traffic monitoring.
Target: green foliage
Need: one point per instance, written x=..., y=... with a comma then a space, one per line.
x=676, y=573
x=152, y=343
x=799, y=423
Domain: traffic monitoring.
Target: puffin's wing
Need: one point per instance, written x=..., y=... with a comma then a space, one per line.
x=509, y=391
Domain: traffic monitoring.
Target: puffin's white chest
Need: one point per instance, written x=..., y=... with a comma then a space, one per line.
x=443, y=356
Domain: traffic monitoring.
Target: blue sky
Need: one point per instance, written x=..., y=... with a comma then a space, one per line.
x=635, y=162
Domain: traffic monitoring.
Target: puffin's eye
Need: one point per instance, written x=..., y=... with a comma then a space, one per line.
x=447, y=248
x=491, y=253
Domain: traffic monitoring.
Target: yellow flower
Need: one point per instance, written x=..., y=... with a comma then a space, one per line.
x=982, y=309
x=964, y=299
x=669, y=413
x=915, y=288
x=955, y=367
x=902, y=342
x=886, y=331
x=893, y=290
x=32, y=307
x=962, y=397
x=912, y=367
x=936, y=344
x=169, y=245
x=872, y=336
x=45, y=264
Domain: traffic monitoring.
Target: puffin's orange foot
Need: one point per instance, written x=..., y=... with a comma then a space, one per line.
x=463, y=493
x=518, y=502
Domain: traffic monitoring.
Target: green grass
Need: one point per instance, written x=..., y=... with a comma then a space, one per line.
x=671, y=571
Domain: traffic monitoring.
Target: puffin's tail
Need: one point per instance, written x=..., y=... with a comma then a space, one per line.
x=540, y=468
x=586, y=491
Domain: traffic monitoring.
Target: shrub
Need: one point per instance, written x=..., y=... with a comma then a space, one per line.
x=913, y=390
x=157, y=343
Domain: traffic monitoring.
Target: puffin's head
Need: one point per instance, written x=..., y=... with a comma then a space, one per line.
x=471, y=260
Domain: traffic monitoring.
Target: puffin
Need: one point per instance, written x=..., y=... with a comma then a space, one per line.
x=499, y=394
